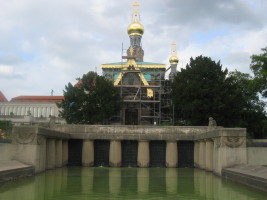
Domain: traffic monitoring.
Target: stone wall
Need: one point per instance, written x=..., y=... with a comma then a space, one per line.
x=32, y=146
x=219, y=148
x=7, y=151
x=30, y=154
x=214, y=148
x=256, y=152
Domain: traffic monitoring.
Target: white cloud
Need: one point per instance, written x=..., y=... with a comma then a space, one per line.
x=49, y=43
x=6, y=70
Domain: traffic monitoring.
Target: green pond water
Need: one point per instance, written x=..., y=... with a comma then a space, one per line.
x=126, y=183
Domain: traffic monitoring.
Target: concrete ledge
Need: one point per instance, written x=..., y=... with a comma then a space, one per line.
x=130, y=132
x=252, y=176
x=11, y=170
x=50, y=133
x=221, y=132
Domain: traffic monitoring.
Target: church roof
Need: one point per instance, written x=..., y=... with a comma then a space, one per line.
x=2, y=97
x=140, y=64
x=37, y=99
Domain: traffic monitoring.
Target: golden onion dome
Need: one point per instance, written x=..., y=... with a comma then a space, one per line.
x=174, y=59
x=135, y=28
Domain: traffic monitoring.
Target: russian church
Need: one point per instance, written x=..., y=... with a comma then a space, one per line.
x=143, y=87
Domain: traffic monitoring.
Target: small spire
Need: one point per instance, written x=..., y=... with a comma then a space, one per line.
x=173, y=59
x=173, y=49
x=136, y=13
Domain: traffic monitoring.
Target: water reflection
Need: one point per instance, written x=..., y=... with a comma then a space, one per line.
x=143, y=180
x=121, y=183
x=171, y=180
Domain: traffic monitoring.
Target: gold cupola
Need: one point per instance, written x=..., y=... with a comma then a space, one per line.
x=174, y=59
x=135, y=28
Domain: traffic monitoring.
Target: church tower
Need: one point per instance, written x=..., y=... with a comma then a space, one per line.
x=140, y=83
x=135, y=32
x=173, y=61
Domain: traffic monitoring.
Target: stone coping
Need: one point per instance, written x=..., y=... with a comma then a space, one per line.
x=71, y=128
x=12, y=169
x=222, y=132
x=168, y=133
x=50, y=133
x=124, y=132
x=256, y=144
x=250, y=175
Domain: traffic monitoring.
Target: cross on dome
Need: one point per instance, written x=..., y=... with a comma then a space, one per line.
x=173, y=50
x=173, y=59
x=136, y=13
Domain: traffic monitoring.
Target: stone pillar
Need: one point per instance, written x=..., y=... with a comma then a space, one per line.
x=202, y=155
x=215, y=155
x=171, y=154
x=65, y=152
x=143, y=153
x=50, y=154
x=196, y=154
x=209, y=155
x=88, y=153
x=229, y=149
x=200, y=147
x=58, y=153
x=115, y=153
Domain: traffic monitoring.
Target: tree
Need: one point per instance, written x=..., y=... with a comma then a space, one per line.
x=259, y=67
x=253, y=115
x=202, y=90
x=92, y=100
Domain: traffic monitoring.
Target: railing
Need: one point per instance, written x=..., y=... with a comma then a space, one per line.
x=20, y=120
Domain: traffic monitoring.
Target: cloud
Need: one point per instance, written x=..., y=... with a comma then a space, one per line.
x=6, y=70
x=49, y=43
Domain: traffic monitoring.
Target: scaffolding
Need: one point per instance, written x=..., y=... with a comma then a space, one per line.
x=144, y=91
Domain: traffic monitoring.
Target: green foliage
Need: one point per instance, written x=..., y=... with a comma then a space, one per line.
x=259, y=67
x=204, y=90
x=5, y=125
x=93, y=100
x=253, y=112
x=167, y=123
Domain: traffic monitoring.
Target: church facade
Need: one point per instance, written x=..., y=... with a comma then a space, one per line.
x=143, y=87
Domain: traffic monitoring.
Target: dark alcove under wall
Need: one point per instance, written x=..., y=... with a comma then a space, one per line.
x=129, y=153
x=75, y=152
x=101, y=152
x=157, y=153
x=185, y=154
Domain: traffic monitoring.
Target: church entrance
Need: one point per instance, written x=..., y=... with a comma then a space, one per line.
x=131, y=117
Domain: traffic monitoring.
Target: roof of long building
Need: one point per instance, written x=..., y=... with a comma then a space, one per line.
x=37, y=99
x=2, y=97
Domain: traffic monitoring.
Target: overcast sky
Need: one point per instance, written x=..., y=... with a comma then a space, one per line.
x=44, y=44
